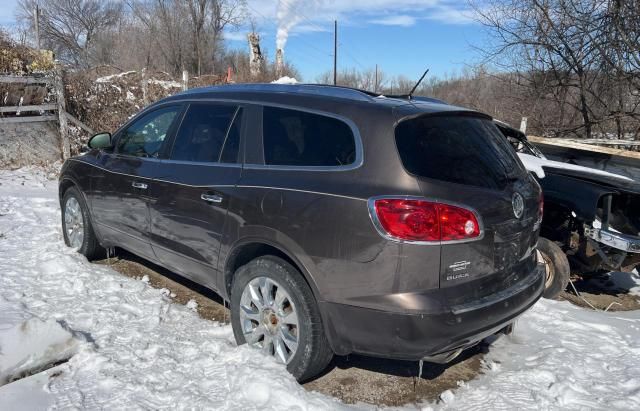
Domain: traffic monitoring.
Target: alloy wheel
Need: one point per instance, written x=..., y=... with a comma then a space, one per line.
x=74, y=223
x=268, y=319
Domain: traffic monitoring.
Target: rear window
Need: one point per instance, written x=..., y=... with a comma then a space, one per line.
x=298, y=138
x=458, y=149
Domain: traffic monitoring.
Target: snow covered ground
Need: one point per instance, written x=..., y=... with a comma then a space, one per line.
x=129, y=346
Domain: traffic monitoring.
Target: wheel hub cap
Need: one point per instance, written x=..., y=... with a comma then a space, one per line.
x=269, y=319
x=74, y=223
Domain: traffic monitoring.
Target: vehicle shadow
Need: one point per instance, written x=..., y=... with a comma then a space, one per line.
x=401, y=368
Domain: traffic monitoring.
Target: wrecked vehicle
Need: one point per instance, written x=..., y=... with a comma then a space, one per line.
x=591, y=217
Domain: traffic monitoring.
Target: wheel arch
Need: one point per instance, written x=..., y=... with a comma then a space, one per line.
x=66, y=183
x=249, y=249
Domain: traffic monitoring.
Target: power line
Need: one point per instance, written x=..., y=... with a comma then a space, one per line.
x=296, y=10
x=352, y=57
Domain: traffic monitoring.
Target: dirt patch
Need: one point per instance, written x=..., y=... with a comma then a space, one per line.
x=605, y=291
x=378, y=381
x=353, y=378
x=210, y=305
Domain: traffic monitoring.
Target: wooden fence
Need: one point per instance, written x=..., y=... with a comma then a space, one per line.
x=45, y=111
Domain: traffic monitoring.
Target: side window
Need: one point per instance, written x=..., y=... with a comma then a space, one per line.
x=145, y=136
x=206, y=134
x=298, y=138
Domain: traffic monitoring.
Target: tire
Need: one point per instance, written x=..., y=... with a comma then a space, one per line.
x=313, y=352
x=556, y=265
x=76, y=225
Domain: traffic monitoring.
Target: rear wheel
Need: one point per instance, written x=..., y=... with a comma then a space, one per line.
x=273, y=310
x=556, y=267
x=76, y=225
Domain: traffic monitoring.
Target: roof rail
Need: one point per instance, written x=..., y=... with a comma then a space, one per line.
x=312, y=89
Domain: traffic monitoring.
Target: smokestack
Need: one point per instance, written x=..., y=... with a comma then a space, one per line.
x=255, y=55
x=279, y=63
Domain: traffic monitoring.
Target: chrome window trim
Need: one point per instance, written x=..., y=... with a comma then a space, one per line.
x=378, y=225
x=358, y=162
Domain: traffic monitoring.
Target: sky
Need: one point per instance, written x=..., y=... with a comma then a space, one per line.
x=400, y=36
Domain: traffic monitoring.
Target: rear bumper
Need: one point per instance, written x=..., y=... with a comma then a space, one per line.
x=415, y=335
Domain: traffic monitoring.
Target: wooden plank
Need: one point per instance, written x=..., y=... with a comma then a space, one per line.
x=62, y=109
x=79, y=123
x=27, y=119
x=39, y=107
x=25, y=80
x=586, y=147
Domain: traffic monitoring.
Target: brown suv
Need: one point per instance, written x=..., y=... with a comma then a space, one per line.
x=334, y=221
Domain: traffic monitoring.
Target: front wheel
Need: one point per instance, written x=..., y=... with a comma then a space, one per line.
x=76, y=225
x=556, y=267
x=273, y=310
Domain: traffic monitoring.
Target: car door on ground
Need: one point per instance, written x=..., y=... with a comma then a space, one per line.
x=121, y=185
x=194, y=188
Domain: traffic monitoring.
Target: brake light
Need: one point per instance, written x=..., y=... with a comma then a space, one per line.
x=422, y=220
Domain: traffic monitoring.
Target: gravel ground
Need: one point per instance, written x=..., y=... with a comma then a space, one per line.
x=355, y=378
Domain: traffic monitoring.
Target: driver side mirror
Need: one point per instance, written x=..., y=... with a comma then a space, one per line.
x=100, y=141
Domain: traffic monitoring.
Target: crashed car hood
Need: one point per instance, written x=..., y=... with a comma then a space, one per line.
x=540, y=166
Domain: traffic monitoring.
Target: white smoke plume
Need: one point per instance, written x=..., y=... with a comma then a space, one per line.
x=287, y=19
x=289, y=14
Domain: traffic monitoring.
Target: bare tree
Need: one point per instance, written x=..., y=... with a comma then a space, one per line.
x=577, y=56
x=70, y=27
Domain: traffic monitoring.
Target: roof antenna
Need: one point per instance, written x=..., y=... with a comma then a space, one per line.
x=413, y=90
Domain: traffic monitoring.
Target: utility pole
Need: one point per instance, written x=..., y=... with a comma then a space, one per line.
x=375, y=85
x=335, y=52
x=36, y=14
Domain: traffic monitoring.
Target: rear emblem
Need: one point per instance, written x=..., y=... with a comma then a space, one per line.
x=518, y=205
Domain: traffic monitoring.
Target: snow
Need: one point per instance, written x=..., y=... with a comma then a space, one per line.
x=560, y=357
x=146, y=351
x=167, y=85
x=285, y=80
x=29, y=343
x=536, y=165
x=107, y=79
x=129, y=343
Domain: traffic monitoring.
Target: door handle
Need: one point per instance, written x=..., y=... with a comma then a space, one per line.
x=141, y=186
x=211, y=198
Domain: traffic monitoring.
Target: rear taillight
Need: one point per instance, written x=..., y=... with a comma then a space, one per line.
x=423, y=220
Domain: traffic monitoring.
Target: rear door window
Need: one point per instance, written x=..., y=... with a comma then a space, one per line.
x=459, y=149
x=209, y=133
x=298, y=138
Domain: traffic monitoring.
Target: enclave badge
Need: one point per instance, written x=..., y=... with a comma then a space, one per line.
x=518, y=205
